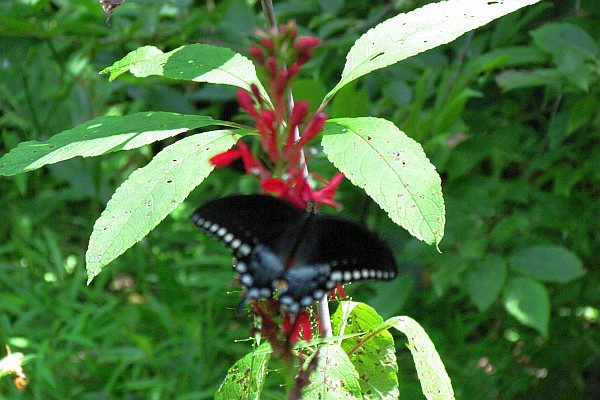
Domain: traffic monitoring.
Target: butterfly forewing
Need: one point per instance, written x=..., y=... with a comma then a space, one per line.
x=262, y=231
x=252, y=219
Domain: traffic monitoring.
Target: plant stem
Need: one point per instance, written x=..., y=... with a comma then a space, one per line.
x=323, y=304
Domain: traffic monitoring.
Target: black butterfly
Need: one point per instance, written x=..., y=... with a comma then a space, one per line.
x=303, y=255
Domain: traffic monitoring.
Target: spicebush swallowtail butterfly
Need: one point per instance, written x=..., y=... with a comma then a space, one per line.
x=303, y=255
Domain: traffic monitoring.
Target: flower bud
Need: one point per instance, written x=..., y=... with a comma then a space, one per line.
x=245, y=101
x=257, y=54
x=306, y=43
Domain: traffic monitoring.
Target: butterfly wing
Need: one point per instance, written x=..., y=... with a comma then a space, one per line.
x=262, y=232
x=334, y=250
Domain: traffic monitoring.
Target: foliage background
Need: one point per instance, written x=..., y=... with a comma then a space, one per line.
x=514, y=134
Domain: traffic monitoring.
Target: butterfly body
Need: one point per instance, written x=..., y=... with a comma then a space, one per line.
x=303, y=255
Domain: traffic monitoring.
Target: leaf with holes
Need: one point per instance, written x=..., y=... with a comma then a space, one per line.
x=434, y=379
x=150, y=194
x=393, y=169
x=194, y=62
x=100, y=136
x=427, y=27
x=375, y=359
x=246, y=378
x=334, y=378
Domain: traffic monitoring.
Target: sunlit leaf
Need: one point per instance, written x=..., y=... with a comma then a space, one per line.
x=393, y=169
x=432, y=374
x=100, y=136
x=150, y=194
x=427, y=27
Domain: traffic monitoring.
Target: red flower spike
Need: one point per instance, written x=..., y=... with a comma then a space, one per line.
x=302, y=323
x=268, y=44
x=257, y=95
x=306, y=43
x=246, y=102
x=286, y=325
x=268, y=132
x=252, y=165
x=293, y=31
x=313, y=127
x=298, y=113
x=272, y=64
x=274, y=185
x=226, y=158
x=306, y=327
x=257, y=54
x=304, y=57
x=340, y=291
x=280, y=84
x=293, y=70
x=327, y=193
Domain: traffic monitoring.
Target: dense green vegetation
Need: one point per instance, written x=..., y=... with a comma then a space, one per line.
x=509, y=114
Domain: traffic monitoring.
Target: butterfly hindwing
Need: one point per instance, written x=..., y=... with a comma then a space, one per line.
x=334, y=250
x=348, y=247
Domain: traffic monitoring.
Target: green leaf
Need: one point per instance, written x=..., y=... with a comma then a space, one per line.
x=150, y=194
x=246, y=378
x=565, y=38
x=334, y=378
x=99, y=136
x=434, y=379
x=486, y=281
x=547, y=263
x=427, y=27
x=393, y=169
x=511, y=80
x=194, y=62
x=375, y=359
x=528, y=301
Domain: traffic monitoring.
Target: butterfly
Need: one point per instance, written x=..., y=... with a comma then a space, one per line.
x=282, y=249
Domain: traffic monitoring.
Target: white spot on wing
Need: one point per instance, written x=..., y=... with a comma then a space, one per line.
x=241, y=267
x=306, y=301
x=247, y=280
x=336, y=276
x=244, y=250
x=252, y=294
x=347, y=276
